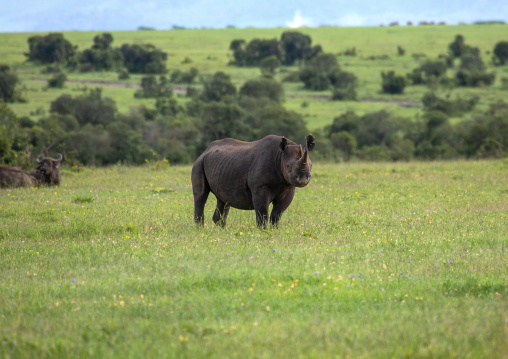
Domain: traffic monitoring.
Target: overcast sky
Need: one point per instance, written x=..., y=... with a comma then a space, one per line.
x=110, y=15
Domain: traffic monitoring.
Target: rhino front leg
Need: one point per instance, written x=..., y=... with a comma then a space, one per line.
x=221, y=213
x=261, y=201
x=280, y=204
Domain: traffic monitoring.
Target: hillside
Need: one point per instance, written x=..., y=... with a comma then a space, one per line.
x=208, y=50
x=385, y=126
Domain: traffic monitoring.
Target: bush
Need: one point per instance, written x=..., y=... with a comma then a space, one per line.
x=344, y=93
x=144, y=59
x=500, y=53
x=218, y=88
x=457, y=107
x=151, y=88
x=90, y=108
x=101, y=56
x=434, y=68
x=57, y=81
x=8, y=82
x=184, y=77
x=392, y=83
x=344, y=142
x=269, y=65
x=52, y=48
x=263, y=88
x=123, y=74
x=296, y=47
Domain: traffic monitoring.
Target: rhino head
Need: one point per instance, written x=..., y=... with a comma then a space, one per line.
x=296, y=164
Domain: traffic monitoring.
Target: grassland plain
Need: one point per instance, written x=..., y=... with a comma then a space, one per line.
x=208, y=51
x=371, y=260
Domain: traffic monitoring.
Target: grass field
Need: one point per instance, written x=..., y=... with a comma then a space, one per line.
x=208, y=50
x=370, y=261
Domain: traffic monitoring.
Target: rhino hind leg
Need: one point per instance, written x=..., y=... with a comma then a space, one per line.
x=200, y=190
x=221, y=213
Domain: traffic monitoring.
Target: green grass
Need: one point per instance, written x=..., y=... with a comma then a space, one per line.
x=208, y=50
x=370, y=260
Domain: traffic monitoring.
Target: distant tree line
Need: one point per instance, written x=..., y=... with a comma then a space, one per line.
x=135, y=58
x=89, y=130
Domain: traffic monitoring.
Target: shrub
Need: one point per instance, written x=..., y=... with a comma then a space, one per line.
x=269, y=65
x=8, y=82
x=500, y=53
x=89, y=108
x=57, y=81
x=218, y=88
x=144, y=59
x=296, y=47
x=392, y=83
x=457, y=107
x=263, y=88
x=123, y=74
x=50, y=49
x=151, y=88
x=344, y=142
x=184, y=77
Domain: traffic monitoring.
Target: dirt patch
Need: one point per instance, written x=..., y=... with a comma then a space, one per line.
x=176, y=89
x=402, y=102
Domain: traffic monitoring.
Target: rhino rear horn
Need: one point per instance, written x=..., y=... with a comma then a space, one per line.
x=309, y=142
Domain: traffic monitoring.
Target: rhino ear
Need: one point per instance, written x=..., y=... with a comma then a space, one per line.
x=310, y=142
x=283, y=144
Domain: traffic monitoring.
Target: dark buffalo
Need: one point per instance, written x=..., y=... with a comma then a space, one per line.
x=250, y=175
x=46, y=173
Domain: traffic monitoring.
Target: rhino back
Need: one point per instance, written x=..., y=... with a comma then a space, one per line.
x=234, y=168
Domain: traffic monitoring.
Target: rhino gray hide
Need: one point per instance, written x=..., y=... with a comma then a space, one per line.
x=250, y=176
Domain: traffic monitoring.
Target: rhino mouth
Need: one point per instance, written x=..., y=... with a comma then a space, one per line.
x=301, y=178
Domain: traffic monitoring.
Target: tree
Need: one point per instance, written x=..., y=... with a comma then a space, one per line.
x=392, y=83
x=238, y=48
x=344, y=142
x=320, y=72
x=89, y=108
x=345, y=84
x=296, y=46
x=501, y=53
x=258, y=49
x=144, y=59
x=151, y=88
x=50, y=49
x=57, y=81
x=263, y=88
x=102, y=41
x=472, y=71
x=221, y=120
x=269, y=65
x=218, y=88
x=8, y=82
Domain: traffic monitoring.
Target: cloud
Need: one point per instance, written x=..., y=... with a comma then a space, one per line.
x=352, y=20
x=299, y=21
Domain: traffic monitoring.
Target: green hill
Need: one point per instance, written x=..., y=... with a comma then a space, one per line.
x=208, y=51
